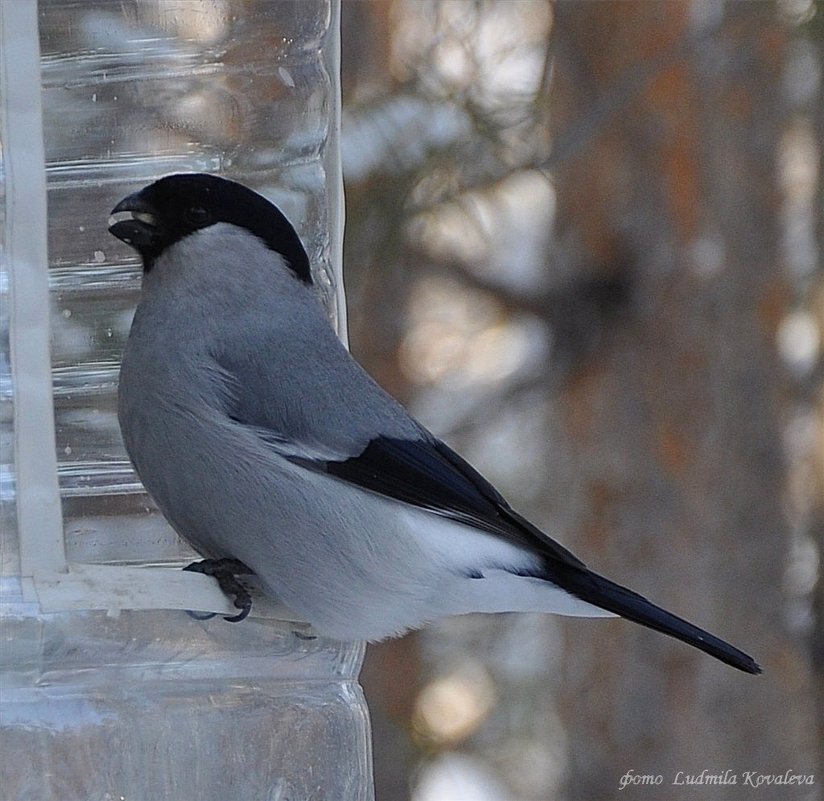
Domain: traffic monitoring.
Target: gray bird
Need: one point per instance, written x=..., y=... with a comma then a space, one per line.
x=271, y=451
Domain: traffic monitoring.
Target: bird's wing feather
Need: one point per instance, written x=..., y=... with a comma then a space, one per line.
x=426, y=473
x=352, y=430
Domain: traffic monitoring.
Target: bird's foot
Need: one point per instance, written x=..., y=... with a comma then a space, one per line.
x=226, y=572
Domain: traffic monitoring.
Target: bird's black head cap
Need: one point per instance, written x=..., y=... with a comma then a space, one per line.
x=173, y=207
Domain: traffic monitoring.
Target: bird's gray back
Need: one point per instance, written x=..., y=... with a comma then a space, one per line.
x=256, y=343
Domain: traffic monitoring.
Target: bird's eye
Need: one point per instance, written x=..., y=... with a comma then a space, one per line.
x=197, y=215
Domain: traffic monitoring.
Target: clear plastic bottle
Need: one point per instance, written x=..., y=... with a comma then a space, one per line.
x=151, y=704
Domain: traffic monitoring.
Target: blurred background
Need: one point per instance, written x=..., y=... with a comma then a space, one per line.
x=583, y=244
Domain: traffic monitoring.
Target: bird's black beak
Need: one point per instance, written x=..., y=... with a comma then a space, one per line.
x=135, y=222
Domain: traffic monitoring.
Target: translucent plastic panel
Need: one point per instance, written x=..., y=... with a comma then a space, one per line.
x=8, y=527
x=133, y=89
x=154, y=704
x=158, y=706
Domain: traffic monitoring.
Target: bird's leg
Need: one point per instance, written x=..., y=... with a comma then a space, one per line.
x=225, y=571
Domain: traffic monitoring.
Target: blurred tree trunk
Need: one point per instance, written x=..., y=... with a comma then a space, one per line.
x=670, y=429
x=816, y=37
x=376, y=288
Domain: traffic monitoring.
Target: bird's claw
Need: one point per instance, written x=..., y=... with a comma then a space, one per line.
x=226, y=572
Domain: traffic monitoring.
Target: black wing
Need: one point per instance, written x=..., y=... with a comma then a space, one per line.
x=428, y=474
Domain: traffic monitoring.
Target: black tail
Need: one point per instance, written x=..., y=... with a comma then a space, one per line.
x=597, y=590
